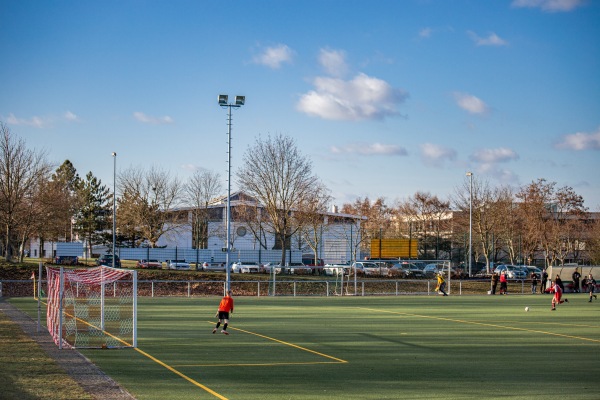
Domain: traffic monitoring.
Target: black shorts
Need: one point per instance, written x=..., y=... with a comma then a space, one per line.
x=223, y=315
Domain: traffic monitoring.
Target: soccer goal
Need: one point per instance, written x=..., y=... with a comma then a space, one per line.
x=92, y=308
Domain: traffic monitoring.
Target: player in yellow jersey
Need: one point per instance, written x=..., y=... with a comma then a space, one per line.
x=441, y=284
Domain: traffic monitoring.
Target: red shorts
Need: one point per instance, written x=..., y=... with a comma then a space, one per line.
x=557, y=297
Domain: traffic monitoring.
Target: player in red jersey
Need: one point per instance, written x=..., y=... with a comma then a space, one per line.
x=225, y=307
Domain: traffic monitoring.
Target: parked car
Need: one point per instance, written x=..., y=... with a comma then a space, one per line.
x=298, y=269
x=148, y=264
x=406, y=269
x=245, y=267
x=336, y=269
x=367, y=268
x=531, y=269
x=431, y=270
x=311, y=261
x=66, y=260
x=512, y=271
x=399, y=270
x=178, y=264
x=316, y=264
x=212, y=266
x=267, y=267
x=107, y=260
x=483, y=273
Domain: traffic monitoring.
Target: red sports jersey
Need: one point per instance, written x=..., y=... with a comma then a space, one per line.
x=226, y=304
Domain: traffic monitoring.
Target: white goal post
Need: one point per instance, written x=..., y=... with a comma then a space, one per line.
x=92, y=307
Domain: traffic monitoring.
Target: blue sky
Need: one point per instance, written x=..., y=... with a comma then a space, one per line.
x=387, y=98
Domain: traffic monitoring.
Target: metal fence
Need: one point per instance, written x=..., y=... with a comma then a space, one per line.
x=199, y=256
x=291, y=287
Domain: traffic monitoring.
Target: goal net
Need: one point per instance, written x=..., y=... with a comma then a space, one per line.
x=92, y=308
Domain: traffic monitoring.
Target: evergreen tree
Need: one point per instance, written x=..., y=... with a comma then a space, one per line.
x=93, y=216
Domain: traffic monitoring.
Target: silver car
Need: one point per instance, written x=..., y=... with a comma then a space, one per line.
x=178, y=264
x=242, y=267
x=512, y=271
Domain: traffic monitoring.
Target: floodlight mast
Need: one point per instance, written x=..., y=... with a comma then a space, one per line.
x=223, y=102
x=114, y=221
x=470, y=175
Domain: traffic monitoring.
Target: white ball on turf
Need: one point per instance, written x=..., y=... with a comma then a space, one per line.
x=526, y=309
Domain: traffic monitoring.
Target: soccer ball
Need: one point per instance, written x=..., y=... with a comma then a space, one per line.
x=526, y=309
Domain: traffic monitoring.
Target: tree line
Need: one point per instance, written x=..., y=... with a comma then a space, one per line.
x=284, y=198
x=535, y=222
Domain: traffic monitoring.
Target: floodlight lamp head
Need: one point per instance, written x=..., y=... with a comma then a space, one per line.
x=223, y=99
x=240, y=100
x=469, y=173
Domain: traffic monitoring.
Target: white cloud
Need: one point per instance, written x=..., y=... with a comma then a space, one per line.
x=490, y=162
x=502, y=175
x=581, y=141
x=493, y=156
x=470, y=103
x=373, y=149
x=69, y=116
x=435, y=155
x=146, y=119
x=41, y=122
x=334, y=62
x=425, y=32
x=274, y=57
x=549, y=5
x=491, y=40
x=361, y=98
x=189, y=167
x=36, y=122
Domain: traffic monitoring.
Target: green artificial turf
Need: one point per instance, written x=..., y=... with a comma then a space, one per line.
x=406, y=347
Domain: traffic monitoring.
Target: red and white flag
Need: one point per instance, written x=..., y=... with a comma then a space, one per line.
x=32, y=275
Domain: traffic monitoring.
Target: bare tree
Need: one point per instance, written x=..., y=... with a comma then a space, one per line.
x=201, y=188
x=507, y=226
x=248, y=211
x=147, y=204
x=592, y=243
x=428, y=213
x=313, y=212
x=21, y=171
x=351, y=233
x=376, y=221
x=548, y=216
x=280, y=178
x=33, y=218
x=492, y=220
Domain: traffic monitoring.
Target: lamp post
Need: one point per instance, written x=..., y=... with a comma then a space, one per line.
x=470, y=175
x=114, y=230
x=223, y=102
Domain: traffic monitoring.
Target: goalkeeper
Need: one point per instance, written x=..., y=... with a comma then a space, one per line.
x=441, y=284
x=225, y=307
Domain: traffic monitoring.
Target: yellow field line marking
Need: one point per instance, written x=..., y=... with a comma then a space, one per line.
x=156, y=360
x=289, y=344
x=482, y=324
x=176, y=372
x=561, y=324
x=96, y=327
x=258, y=364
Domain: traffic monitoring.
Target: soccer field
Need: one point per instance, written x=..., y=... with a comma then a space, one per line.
x=407, y=347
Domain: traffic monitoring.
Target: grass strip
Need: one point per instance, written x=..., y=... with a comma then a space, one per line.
x=27, y=372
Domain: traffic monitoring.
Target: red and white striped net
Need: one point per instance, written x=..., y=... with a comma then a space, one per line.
x=91, y=316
